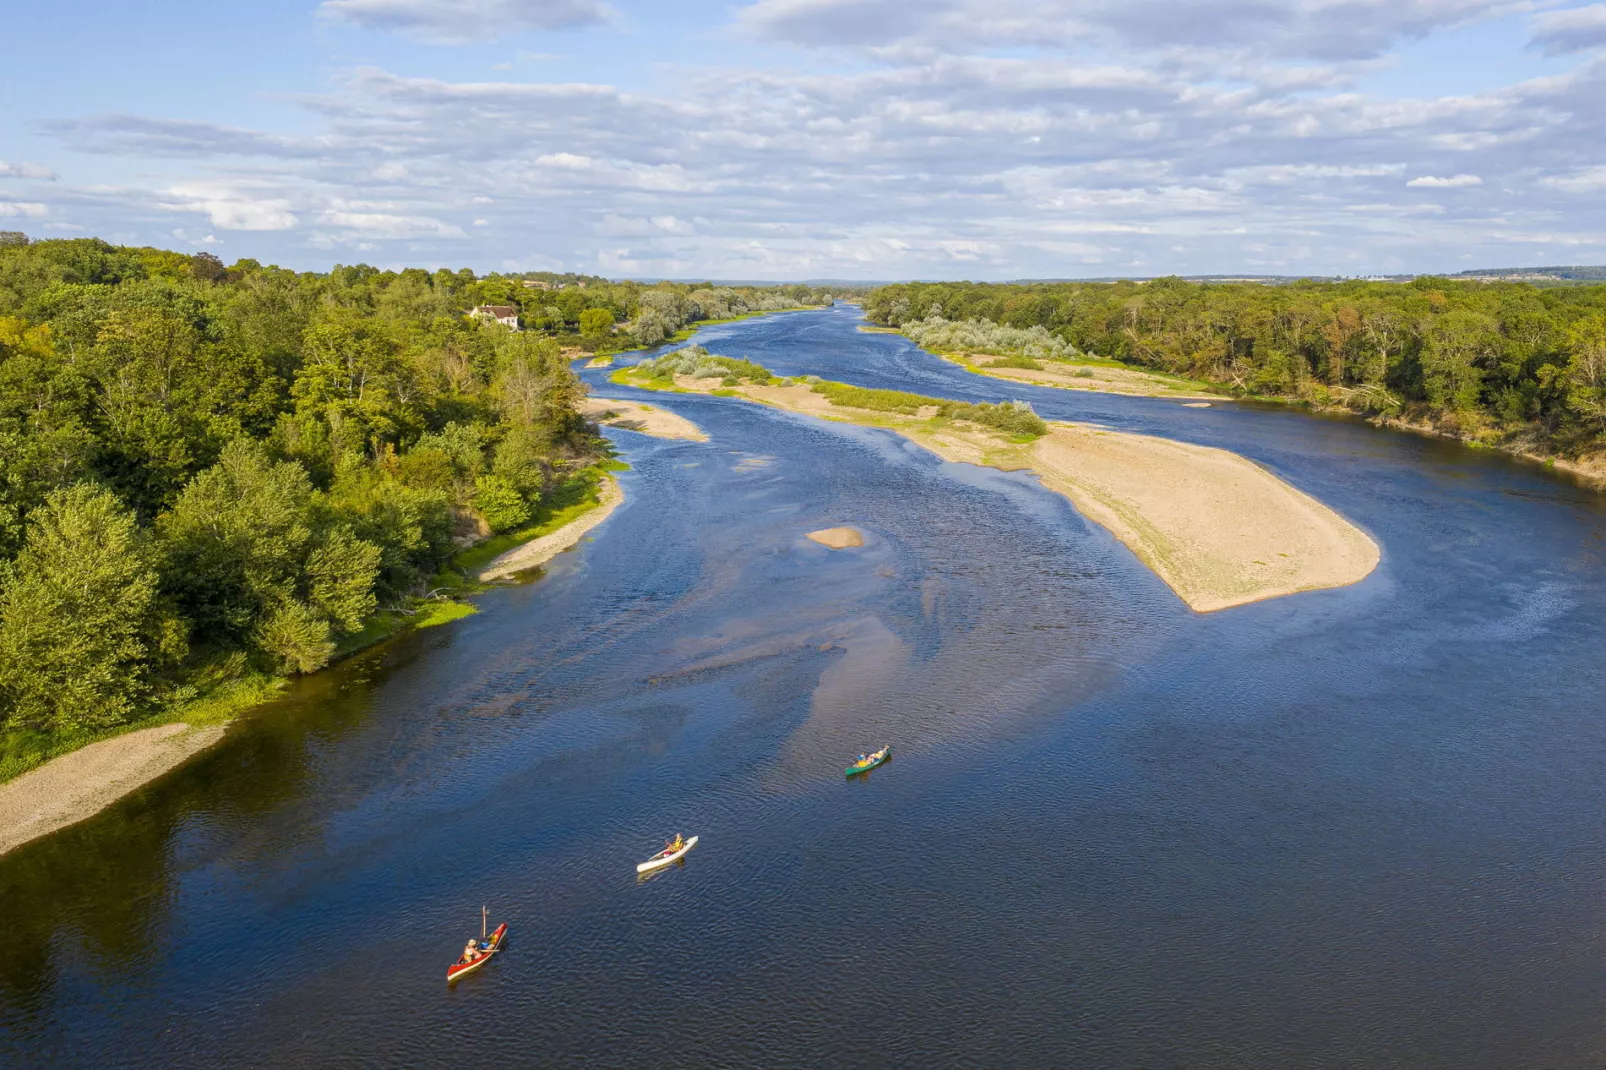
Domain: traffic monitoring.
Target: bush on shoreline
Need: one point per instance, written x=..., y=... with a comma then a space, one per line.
x=699, y=363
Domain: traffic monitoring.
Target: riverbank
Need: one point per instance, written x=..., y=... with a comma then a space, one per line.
x=81, y=784
x=642, y=418
x=1219, y=530
x=539, y=551
x=63, y=782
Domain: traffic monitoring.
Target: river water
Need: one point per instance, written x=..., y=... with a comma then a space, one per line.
x=1351, y=828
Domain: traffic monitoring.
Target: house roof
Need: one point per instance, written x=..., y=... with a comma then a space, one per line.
x=499, y=311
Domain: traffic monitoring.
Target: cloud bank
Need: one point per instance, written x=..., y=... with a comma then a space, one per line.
x=979, y=138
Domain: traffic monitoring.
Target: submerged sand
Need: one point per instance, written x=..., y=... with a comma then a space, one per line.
x=646, y=419
x=1220, y=530
x=837, y=538
x=538, y=552
x=79, y=785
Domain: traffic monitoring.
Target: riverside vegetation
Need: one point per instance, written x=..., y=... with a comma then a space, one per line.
x=1499, y=364
x=695, y=362
x=216, y=476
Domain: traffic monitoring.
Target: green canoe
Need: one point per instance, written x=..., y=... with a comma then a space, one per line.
x=870, y=761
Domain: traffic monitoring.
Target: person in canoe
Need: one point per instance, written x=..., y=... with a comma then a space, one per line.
x=674, y=845
x=472, y=951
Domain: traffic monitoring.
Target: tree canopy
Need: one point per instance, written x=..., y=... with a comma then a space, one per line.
x=1500, y=362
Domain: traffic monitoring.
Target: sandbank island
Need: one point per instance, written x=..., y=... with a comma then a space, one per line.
x=1220, y=530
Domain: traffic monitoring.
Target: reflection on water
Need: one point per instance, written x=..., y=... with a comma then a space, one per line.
x=1351, y=828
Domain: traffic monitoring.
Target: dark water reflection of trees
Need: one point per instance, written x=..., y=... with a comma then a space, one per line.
x=110, y=881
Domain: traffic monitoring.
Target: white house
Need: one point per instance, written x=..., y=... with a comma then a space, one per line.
x=506, y=315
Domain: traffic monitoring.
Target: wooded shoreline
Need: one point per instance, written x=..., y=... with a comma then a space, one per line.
x=75, y=786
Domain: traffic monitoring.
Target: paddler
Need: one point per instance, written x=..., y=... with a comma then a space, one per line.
x=472, y=951
x=676, y=844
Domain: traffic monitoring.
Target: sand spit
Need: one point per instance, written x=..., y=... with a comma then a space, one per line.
x=1220, y=530
x=646, y=419
x=1095, y=377
x=837, y=538
x=540, y=551
x=79, y=785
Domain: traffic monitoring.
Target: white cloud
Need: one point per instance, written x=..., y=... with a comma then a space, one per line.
x=464, y=21
x=1586, y=180
x=26, y=170
x=1311, y=29
x=231, y=209
x=22, y=209
x=1453, y=182
x=1572, y=30
x=386, y=225
x=482, y=222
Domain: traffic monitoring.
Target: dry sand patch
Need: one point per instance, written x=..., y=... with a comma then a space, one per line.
x=646, y=419
x=838, y=538
x=79, y=785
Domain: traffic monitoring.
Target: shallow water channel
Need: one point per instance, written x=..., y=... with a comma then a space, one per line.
x=1351, y=828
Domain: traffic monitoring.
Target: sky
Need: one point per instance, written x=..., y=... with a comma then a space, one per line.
x=792, y=139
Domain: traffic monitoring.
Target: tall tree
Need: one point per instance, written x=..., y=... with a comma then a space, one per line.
x=82, y=624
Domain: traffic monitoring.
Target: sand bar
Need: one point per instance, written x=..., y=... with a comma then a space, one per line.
x=1220, y=530
x=1099, y=378
x=837, y=538
x=646, y=419
x=78, y=785
x=539, y=551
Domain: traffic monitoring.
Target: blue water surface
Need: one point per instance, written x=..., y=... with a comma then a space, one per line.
x=1349, y=828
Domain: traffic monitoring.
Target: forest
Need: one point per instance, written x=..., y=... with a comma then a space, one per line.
x=211, y=471
x=1500, y=364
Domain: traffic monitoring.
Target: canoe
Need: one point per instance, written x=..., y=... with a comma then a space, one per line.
x=663, y=858
x=875, y=759
x=459, y=968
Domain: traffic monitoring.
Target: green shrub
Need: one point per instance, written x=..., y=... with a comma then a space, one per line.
x=500, y=502
x=1015, y=417
x=1018, y=362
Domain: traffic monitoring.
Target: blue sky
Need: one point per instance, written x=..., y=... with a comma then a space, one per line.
x=877, y=139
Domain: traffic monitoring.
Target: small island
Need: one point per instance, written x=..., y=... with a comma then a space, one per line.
x=843, y=538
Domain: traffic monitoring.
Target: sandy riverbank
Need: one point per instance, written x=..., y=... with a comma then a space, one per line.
x=79, y=785
x=1220, y=530
x=539, y=551
x=646, y=419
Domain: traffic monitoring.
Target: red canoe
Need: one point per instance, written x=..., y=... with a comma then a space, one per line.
x=459, y=968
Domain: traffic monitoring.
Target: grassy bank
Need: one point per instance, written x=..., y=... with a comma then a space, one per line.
x=228, y=686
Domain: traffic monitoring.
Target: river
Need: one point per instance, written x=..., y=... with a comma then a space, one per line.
x=1350, y=828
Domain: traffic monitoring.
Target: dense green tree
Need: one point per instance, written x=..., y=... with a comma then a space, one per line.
x=82, y=625
x=1496, y=361
x=288, y=451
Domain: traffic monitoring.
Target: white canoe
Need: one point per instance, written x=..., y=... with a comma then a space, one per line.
x=663, y=858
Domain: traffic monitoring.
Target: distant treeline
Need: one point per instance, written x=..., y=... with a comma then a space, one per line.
x=1501, y=363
